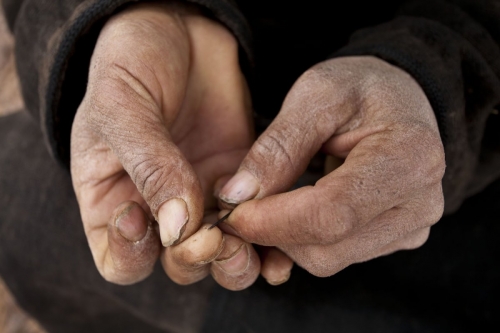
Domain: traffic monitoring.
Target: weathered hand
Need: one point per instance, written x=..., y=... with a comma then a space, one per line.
x=166, y=113
x=384, y=197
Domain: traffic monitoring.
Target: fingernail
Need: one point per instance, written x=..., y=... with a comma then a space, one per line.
x=219, y=184
x=130, y=226
x=242, y=187
x=228, y=229
x=237, y=263
x=172, y=217
x=278, y=282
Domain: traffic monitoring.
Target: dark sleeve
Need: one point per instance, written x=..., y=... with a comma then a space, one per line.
x=54, y=43
x=452, y=48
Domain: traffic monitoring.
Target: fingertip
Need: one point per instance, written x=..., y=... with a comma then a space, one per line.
x=242, y=222
x=187, y=262
x=275, y=282
x=242, y=187
x=131, y=221
x=133, y=246
x=237, y=266
x=276, y=266
x=199, y=249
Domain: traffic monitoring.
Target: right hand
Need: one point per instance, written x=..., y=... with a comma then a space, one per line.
x=166, y=114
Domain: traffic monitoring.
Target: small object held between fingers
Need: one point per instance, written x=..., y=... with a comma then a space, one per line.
x=222, y=219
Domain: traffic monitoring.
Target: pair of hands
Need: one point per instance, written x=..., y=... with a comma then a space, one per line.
x=167, y=119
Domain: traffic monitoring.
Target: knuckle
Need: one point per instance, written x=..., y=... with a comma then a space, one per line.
x=428, y=208
x=319, y=77
x=334, y=222
x=312, y=93
x=437, y=207
x=428, y=155
x=278, y=146
x=417, y=240
x=149, y=175
x=318, y=261
x=434, y=210
x=319, y=270
x=436, y=160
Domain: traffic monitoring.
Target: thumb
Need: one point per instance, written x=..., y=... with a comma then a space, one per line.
x=160, y=172
x=281, y=154
x=130, y=110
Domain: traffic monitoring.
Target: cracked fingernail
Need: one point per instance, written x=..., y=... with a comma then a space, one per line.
x=173, y=216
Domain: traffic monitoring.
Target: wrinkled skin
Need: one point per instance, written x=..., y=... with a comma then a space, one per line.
x=166, y=120
x=166, y=116
x=382, y=199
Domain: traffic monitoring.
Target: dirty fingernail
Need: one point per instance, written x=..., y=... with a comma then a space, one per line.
x=237, y=263
x=131, y=223
x=242, y=187
x=279, y=281
x=172, y=216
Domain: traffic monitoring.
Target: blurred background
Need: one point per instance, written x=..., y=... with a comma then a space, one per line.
x=12, y=318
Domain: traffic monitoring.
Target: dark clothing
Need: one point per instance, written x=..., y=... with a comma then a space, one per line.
x=448, y=285
x=452, y=48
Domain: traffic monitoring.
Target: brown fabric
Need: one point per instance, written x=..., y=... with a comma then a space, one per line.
x=450, y=47
x=54, y=42
x=453, y=55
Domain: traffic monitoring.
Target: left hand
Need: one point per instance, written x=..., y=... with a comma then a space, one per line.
x=385, y=196
x=166, y=116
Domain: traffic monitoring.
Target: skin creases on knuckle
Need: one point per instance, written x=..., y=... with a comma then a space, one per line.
x=333, y=221
x=318, y=78
x=319, y=225
x=277, y=147
x=151, y=176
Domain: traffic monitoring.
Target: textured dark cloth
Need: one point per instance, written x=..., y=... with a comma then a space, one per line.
x=448, y=285
x=46, y=262
x=450, y=47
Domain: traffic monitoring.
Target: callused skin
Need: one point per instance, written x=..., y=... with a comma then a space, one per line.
x=166, y=114
x=167, y=117
x=384, y=197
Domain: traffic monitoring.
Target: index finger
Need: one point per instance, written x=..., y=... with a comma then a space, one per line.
x=382, y=171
